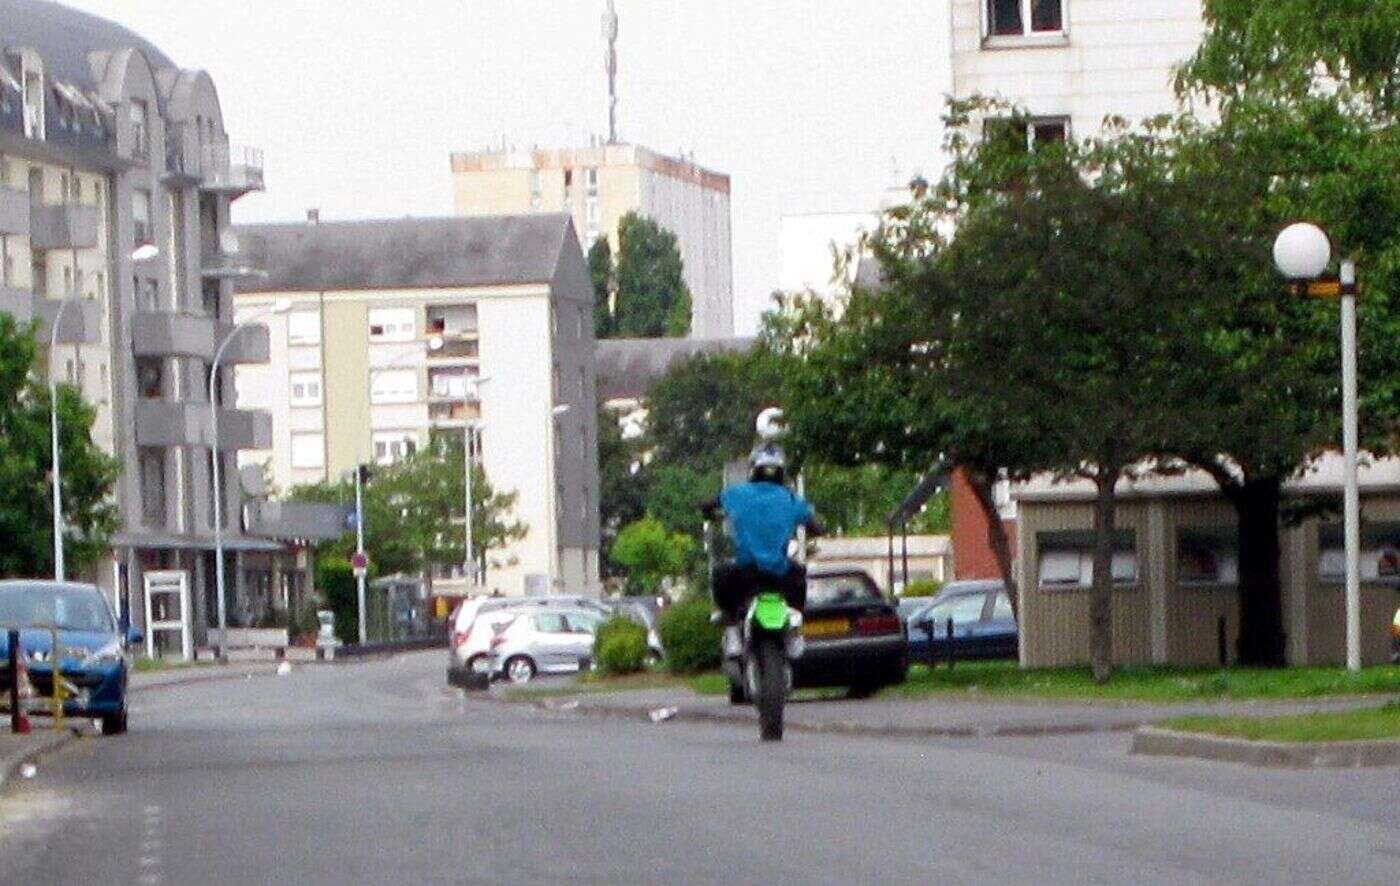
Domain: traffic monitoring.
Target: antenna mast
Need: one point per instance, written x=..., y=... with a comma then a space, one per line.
x=610, y=64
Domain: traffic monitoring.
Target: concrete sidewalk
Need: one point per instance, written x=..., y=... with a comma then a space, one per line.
x=941, y=715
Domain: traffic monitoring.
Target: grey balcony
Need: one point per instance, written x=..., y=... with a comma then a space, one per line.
x=245, y=429
x=63, y=226
x=18, y=303
x=173, y=335
x=218, y=266
x=309, y=521
x=253, y=344
x=166, y=423
x=184, y=161
x=81, y=321
x=14, y=212
x=231, y=170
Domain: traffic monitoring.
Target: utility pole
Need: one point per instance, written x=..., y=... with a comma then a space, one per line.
x=610, y=35
x=360, y=570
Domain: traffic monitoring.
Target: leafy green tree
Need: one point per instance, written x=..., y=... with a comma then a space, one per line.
x=649, y=552
x=1309, y=127
x=600, y=269
x=26, y=460
x=652, y=299
x=621, y=482
x=859, y=500
x=413, y=513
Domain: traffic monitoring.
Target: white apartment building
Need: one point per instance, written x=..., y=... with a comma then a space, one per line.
x=392, y=324
x=1071, y=63
x=597, y=186
x=808, y=244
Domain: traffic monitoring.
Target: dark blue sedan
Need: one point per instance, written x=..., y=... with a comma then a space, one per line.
x=92, y=647
x=983, y=625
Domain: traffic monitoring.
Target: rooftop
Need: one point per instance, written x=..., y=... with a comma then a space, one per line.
x=627, y=367
x=406, y=253
x=683, y=168
x=66, y=38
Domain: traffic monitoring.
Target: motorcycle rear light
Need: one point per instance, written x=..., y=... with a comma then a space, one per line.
x=877, y=624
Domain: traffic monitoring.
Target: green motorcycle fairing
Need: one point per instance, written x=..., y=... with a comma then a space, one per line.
x=770, y=612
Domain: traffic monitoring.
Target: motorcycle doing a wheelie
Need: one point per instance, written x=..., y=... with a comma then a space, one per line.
x=762, y=591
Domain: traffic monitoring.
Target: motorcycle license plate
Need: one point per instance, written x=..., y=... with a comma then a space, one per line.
x=826, y=627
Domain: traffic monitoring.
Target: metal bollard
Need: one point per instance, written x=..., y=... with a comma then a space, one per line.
x=16, y=715
x=56, y=675
x=1222, y=646
x=952, y=654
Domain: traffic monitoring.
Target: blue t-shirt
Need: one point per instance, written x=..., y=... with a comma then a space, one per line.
x=763, y=518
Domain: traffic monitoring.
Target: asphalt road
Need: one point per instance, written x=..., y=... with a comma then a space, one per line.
x=373, y=773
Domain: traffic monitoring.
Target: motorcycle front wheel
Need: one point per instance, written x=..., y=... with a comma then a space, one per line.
x=772, y=686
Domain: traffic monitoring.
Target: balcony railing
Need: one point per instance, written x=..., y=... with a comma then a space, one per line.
x=63, y=226
x=172, y=335
x=14, y=211
x=183, y=154
x=231, y=170
x=175, y=423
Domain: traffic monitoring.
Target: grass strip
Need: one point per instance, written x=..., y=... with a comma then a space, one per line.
x=1367, y=724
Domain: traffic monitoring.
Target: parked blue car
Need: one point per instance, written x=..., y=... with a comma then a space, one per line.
x=983, y=624
x=95, y=661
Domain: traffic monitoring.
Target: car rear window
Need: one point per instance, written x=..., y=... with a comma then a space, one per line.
x=69, y=608
x=833, y=590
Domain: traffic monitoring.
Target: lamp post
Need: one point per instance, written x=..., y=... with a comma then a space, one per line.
x=1302, y=253
x=58, y=565
x=550, y=438
x=279, y=307
x=469, y=431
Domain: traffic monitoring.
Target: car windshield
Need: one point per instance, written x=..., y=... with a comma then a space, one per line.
x=831, y=590
x=70, y=608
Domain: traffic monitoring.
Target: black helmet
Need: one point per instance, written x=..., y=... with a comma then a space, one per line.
x=767, y=464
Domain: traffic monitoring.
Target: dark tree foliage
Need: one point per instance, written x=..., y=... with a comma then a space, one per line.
x=26, y=461
x=652, y=299
x=600, y=269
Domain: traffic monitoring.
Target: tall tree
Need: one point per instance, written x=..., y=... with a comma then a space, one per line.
x=652, y=299
x=600, y=269
x=26, y=459
x=1309, y=127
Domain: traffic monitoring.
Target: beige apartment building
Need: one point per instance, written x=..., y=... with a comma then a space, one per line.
x=596, y=187
x=405, y=329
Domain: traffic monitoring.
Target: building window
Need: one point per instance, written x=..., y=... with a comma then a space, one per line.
x=141, y=216
x=140, y=135
x=1207, y=557
x=391, y=324
x=149, y=378
x=1022, y=18
x=1066, y=559
x=34, y=105
x=308, y=450
x=1030, y=133
x=590, y=212
x=394, y=446
x=305, y=388
x=536, y=189
x=393, y=386
x=590, y=180
x=1380, y=553
x=147, y=293
x=153, y=487
x=448, y=383
x=304, y=328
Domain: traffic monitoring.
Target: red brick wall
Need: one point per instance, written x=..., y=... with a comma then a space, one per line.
x=972, y=553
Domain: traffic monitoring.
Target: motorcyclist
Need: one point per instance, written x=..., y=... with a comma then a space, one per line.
x=764, y=516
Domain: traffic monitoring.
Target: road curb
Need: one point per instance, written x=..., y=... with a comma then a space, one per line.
x=43, y=744
x=1158, y=742
x=838, y=727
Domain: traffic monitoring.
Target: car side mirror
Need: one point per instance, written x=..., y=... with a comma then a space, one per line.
x=133, y=637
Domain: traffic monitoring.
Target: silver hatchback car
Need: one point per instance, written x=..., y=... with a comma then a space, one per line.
x=547, y=641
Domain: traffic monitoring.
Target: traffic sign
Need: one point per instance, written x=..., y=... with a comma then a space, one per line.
x=360, y=563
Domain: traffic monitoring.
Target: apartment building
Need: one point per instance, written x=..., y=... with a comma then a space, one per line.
x=1071, y=63
x=406, y=329
x=596, y=187
x=116, y=178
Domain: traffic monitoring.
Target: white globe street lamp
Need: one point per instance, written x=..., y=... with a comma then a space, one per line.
x=1302, y=253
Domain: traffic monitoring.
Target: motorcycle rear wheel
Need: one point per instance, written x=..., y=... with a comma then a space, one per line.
x=772, y=686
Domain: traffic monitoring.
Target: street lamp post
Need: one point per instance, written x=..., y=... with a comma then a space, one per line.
x=550, y=441
x=469, y=456
x=1302, y=253
x=58, y=564
x=280, y=307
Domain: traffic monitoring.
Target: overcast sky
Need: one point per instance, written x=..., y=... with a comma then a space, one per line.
x=809, y=105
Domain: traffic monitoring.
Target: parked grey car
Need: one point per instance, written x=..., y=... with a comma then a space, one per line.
x=544, y=641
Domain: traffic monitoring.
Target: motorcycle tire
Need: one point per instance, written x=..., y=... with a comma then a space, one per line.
x=772, y=687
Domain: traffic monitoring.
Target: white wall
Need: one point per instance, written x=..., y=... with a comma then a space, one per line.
x=699, y=217
x=1115, y=58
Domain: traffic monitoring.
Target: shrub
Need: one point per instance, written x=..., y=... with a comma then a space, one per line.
x=691, y=641
x=620, y=646
x=924, y=587
x=336, y=582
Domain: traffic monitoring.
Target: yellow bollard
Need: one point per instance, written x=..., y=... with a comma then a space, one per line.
x=56, y=666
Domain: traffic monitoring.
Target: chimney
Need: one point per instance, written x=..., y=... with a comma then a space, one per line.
x=313, y=216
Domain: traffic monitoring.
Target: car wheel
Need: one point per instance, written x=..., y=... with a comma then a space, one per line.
x=520, y=669
x=115, y=724
x=862, y=690
x=737, y=695
x=478, y=664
